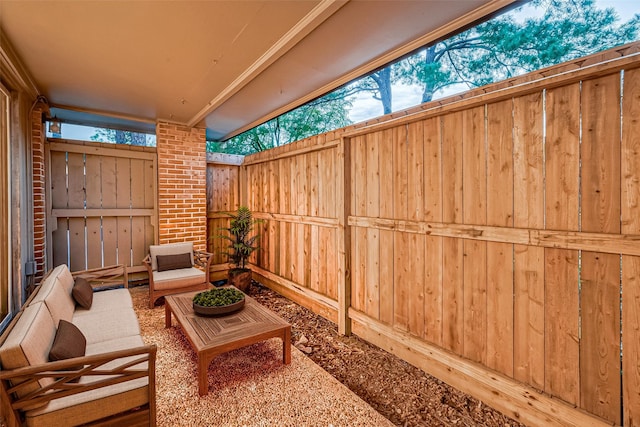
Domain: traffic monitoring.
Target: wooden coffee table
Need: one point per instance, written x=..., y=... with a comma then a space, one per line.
x=211, y=336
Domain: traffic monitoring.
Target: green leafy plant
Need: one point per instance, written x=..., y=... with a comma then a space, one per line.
x=218, y=297
x=241, y=244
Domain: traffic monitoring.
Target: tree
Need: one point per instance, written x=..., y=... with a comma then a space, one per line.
x=503, y=47
x=120, y=137
x=321, y=115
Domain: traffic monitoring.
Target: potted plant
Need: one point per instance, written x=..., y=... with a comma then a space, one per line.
x=218, y=301
x=241, y=247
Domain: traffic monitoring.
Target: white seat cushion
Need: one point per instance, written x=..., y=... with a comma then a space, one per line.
x=172, y=279
x=169, y=249
x=106, y=301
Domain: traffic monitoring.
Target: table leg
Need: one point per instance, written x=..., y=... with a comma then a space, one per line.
x=203, y=368
x=286, y=346
x=167, y=316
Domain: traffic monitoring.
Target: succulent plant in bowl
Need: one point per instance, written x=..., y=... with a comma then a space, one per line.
x=218, y=301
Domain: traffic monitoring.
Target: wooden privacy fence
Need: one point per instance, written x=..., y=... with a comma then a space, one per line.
x=101, y=204
x=492, y=240
x=223, y=195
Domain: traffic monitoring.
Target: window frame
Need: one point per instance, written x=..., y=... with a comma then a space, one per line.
x=6, y=278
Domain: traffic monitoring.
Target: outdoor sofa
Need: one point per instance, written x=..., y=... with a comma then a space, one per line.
x=112, y=383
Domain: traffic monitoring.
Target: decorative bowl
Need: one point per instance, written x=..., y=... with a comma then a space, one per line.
x=218, y=301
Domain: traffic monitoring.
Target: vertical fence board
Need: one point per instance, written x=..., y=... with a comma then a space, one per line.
x=600, y=273
x=528, y=203
x=123, y=201
x=433, y=285
x=138, y=247
x=109, y=224
x=401, y=248
x=94, y=224
x=562, y=373
x=452, y=249
x=359, y=234
x=76, y=199
x=415, y=210
x=372, y=203
x=630, y=215
x=475, y=252
x=385, y=164
x=500, y=255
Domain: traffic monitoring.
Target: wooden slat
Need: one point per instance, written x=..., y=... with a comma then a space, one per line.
x=359, y=235
x=385, y=184
x=123, y=200
x=372, y=209
x=562, y=373
x=608, y=243
x=474, y=212
x=630, y=218
x=528, y=204
x=500, y=211
x=433, y=262
x=94, y=200
x=600, y=273
x=452, y=249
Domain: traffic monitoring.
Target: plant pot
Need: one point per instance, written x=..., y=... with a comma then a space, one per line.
x=240, y=278
x=218, y=311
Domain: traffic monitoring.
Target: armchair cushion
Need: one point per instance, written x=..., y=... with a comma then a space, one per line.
x=174, y=279
x=174, y=261
x=169, y=249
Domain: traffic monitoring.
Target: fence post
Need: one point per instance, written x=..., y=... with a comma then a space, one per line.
x=343, y=179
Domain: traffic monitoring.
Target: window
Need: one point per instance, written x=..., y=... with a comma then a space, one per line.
x=5, y=210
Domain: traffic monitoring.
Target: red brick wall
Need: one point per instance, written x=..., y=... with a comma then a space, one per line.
x=39, y=220
x=182, y=184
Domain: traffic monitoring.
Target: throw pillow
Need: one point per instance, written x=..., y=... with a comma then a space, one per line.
x=173, y=262
x=83, y=293
x=68, y=343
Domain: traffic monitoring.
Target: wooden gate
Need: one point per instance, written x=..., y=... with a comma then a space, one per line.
x=102, y=204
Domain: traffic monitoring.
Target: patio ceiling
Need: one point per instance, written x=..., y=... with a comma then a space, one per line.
x=229, y=65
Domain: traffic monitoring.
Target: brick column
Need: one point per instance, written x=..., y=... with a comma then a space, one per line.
x=182, y=184
x=38, y=135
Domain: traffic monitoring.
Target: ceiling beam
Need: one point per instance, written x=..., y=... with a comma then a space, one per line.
x=313, y=19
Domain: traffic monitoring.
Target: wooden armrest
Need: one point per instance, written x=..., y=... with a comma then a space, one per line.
x=105, y=276
x=63, y=373
x=202, y=258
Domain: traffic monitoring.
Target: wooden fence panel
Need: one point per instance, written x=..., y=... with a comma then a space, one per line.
x=99, y=201
x=500, y=227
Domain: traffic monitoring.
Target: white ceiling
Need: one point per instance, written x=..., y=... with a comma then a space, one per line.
x=227, y=64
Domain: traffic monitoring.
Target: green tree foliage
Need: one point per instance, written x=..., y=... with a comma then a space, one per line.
x=505, y=47
x=321, y=115
x=120, y=137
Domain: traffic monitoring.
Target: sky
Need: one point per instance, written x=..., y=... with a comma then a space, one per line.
x=404, y=96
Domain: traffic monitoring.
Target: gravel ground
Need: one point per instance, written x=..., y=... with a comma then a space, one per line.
x=402, y=393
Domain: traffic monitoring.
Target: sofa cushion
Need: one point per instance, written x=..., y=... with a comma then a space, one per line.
x=174, y=262
x=107, y=325
x=29, y=342
x=58, y=300
x=106, y=300
x=68, y=342
x=176, y=278
x=169, y=249
x=65, y=277
x=82, y=293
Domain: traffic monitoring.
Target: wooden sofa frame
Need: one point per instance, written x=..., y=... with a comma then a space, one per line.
x=64, y=385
